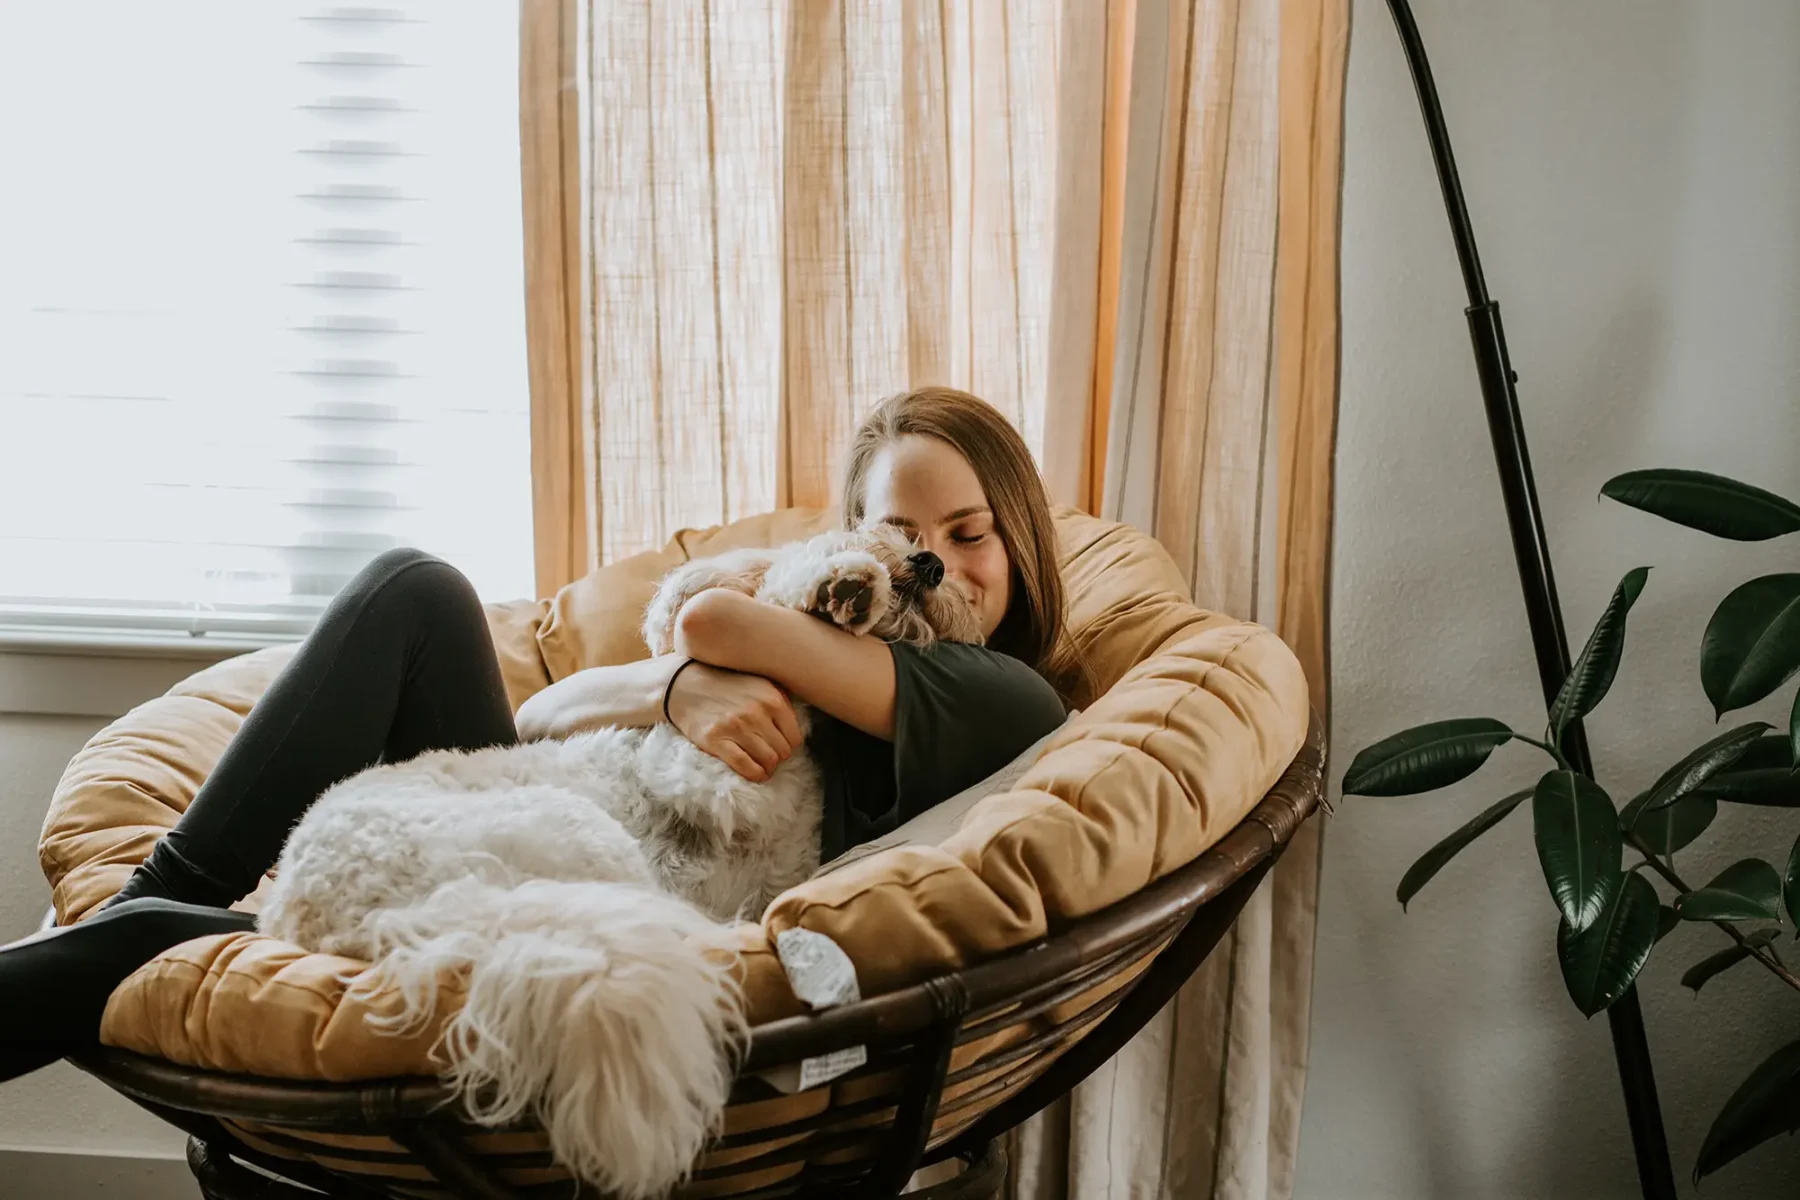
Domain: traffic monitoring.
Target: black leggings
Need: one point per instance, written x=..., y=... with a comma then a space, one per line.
x=401, y=662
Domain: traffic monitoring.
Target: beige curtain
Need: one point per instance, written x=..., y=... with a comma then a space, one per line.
x=763, y=215
x=556, y=328
x=1219, y=441
x=747, y=220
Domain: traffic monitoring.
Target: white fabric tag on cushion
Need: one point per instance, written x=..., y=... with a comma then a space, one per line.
x=822, y=976
x=939, y=821
x=819, y=971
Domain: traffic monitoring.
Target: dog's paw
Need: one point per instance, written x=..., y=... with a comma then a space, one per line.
x=850, y=591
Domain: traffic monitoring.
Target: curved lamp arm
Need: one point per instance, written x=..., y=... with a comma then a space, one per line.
x=1499, y=394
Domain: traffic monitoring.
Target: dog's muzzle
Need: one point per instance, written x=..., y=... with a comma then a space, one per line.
x=928, y=569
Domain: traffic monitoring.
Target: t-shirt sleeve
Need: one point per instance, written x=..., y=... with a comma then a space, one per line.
x=960, y=714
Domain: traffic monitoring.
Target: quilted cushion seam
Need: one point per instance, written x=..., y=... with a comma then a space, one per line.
x=215, y=971
x=1141, y=746
x=205, y=698
x=981, y=856
x=1249, y=635
x=1081, y=793
x=838, y=905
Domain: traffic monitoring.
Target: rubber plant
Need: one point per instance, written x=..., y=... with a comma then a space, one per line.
x=1612, y=914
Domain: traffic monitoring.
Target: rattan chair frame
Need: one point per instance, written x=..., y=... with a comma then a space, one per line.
x=1174, y=922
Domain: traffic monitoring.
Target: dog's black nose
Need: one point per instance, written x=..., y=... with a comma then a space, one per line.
x=927, y=567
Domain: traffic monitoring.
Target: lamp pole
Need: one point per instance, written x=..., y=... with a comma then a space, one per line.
x=1499, y=395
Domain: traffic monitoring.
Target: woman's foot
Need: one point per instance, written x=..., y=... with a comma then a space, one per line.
x=54, y=985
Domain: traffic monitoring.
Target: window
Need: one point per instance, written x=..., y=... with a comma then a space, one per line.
x=261, y=308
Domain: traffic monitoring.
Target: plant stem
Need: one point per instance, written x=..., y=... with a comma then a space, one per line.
x=1548, y=748
x=1675, y=881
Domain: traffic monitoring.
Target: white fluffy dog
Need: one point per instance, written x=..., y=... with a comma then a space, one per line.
x=582, y=885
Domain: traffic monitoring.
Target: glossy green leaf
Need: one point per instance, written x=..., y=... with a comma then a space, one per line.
x=1710, y=503
x=1765, y=1104
x=1424, y=758
x=1588, y=680
x=1702, y=763
x=1768, y=751
x=1771, y=787
x=1697, y=975
x=1666, y=921
x=1794, y=731
x=1790, y=887
x=1752, y=643
x=1600, y=962
x=1420, y=873
x=1763, y=776
x=1578, y=844
x=1669, y=829
x=1744, y=891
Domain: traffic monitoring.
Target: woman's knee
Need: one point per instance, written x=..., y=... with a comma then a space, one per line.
x=390, y=565
x=404, y=592
x=420, y=583
x=409, y=571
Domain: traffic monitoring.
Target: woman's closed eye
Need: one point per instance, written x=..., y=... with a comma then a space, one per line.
x=977, y=529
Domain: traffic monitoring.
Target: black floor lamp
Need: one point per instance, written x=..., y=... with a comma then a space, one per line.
x=1500, y=397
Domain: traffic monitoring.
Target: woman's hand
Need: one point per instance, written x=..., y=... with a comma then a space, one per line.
x=744, y=721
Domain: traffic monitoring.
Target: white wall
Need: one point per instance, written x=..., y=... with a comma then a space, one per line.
x=49, y=705
x=1633, y=170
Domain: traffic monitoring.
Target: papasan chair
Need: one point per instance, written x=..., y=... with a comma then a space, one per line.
x=1002, y=955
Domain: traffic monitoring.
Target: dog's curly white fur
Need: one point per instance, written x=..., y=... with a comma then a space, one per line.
x=582, y=885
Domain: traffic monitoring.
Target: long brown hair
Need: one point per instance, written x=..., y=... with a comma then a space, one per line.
x=1035, y=627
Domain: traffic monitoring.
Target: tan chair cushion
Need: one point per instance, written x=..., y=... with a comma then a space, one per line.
x=1198, y=715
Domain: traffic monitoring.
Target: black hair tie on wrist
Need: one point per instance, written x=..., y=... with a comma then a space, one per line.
x=669, y=689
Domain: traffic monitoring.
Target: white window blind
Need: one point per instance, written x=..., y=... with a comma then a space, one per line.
x=261, y=308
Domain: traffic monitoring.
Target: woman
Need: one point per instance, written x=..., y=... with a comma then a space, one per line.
x=401, y=662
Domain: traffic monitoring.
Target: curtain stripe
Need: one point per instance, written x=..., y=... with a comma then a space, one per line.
x=1317, y=49
x=1082, y=308
x=550, y=158
x=712, y=212
x=1121, y=33
x=1316, y=41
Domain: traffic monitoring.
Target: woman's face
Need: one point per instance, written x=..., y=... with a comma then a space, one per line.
x=927, y=488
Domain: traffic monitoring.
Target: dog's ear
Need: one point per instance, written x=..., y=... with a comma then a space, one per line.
x=659, y=621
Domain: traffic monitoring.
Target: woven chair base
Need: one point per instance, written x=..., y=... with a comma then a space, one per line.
x=221, y=1177
x=953, y=1064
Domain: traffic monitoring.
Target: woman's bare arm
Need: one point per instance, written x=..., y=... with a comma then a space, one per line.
x=742, y=720
x=629, y=694
x=850, y=677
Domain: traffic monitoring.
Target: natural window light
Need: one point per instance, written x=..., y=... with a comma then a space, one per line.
x=261, y=308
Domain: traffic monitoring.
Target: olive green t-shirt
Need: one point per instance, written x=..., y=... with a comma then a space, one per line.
x=960, y=714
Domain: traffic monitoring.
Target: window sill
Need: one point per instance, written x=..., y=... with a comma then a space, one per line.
x=20, y=639
x=93, y=673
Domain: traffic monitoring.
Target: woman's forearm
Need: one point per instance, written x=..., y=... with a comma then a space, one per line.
x=628, y=694
x=852, y=678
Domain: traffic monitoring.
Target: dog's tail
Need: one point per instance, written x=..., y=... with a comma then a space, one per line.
x=608, y=1011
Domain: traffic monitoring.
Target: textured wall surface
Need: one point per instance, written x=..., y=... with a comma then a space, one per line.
x=1633, y=168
